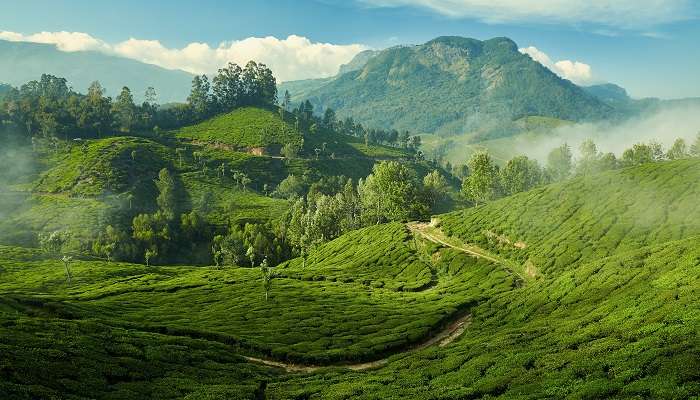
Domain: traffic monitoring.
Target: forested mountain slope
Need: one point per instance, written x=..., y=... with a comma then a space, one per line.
x=450, y=85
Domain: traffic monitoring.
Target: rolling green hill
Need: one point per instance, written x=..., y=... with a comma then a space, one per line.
x=451, y=85
x=83, y=185
x=244, y=128
x=581, y=289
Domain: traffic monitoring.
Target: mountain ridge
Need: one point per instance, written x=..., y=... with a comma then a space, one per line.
x=21, y=62
x=450, y=85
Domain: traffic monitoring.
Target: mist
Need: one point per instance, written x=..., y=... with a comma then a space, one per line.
x=663, y=126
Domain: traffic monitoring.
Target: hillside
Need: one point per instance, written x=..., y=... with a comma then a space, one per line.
x=558, y=293
x=451, y=85
x=84, y=185
x=21, y=62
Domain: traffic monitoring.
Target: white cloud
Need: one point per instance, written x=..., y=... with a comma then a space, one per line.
x=292, y=58
x=575, y=71
x=626, y=14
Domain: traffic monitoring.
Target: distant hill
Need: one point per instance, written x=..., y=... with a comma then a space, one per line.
x=21, y=62
x=617, y=97
x=449, y=85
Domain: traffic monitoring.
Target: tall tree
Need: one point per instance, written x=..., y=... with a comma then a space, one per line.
x=228, y=88
x=124, y=110
x=520, y=174
x=559, y=163
x=200, y=97
x=482, y=184
x=166, y=192
x=435, y=186
x=391, y=193
x=678, y=150
x=590, y=158
x=695, y=147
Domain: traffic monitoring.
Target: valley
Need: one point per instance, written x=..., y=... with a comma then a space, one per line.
x=449, y=220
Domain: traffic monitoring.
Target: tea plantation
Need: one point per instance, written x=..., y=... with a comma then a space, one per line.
x=610, y=310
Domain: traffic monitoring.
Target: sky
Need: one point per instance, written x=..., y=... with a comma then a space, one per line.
x=650, y=47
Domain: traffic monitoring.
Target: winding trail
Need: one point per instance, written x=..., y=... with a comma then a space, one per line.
x=431, y=232
x=442, y=338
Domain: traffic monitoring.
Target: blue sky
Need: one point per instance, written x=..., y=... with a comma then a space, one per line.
x=648, y=46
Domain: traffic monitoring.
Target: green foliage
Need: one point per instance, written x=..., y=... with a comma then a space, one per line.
x=520, y=175
x=560, y=163
x=642, y=153
x=391, y=193
x=482, y=184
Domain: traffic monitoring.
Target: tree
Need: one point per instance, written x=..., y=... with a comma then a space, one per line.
x=482, y=183
x=640, y=153
x=435, y=186
x=228, y=89
x=589, y=162
x=200, y=99
x=287, y=100
x=95, y=112
x=52, y=244
x=125, y=110
x=520, y=174
x=678, y=150
x=66, y=265
x=166, y=199
x=266, y=277
x=113, y=244
x=291, y=186
x=149, y=254
x=559, y=163
x=153, y=232
x=151, y=97
x=180, y=151
x=695, y=147
x=390, y=193
x=250, y=253
x=245, y=181
x=329, y=118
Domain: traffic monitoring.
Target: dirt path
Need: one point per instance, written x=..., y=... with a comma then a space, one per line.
x=432, y=233
x=446, y=336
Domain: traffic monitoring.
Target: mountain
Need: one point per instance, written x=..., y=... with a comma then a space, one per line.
x=21, y=62
x=449, y=85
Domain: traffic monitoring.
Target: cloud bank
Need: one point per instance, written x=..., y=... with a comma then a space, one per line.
x=628, y=14
x=575, y=71
x=293, y=58
x=663, y=126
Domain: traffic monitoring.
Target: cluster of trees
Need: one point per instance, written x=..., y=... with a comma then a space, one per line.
x=307, y=121
x=232, y=87
x=48, y=107
x=392, y=192
x=320, y=211
x=483, y=180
